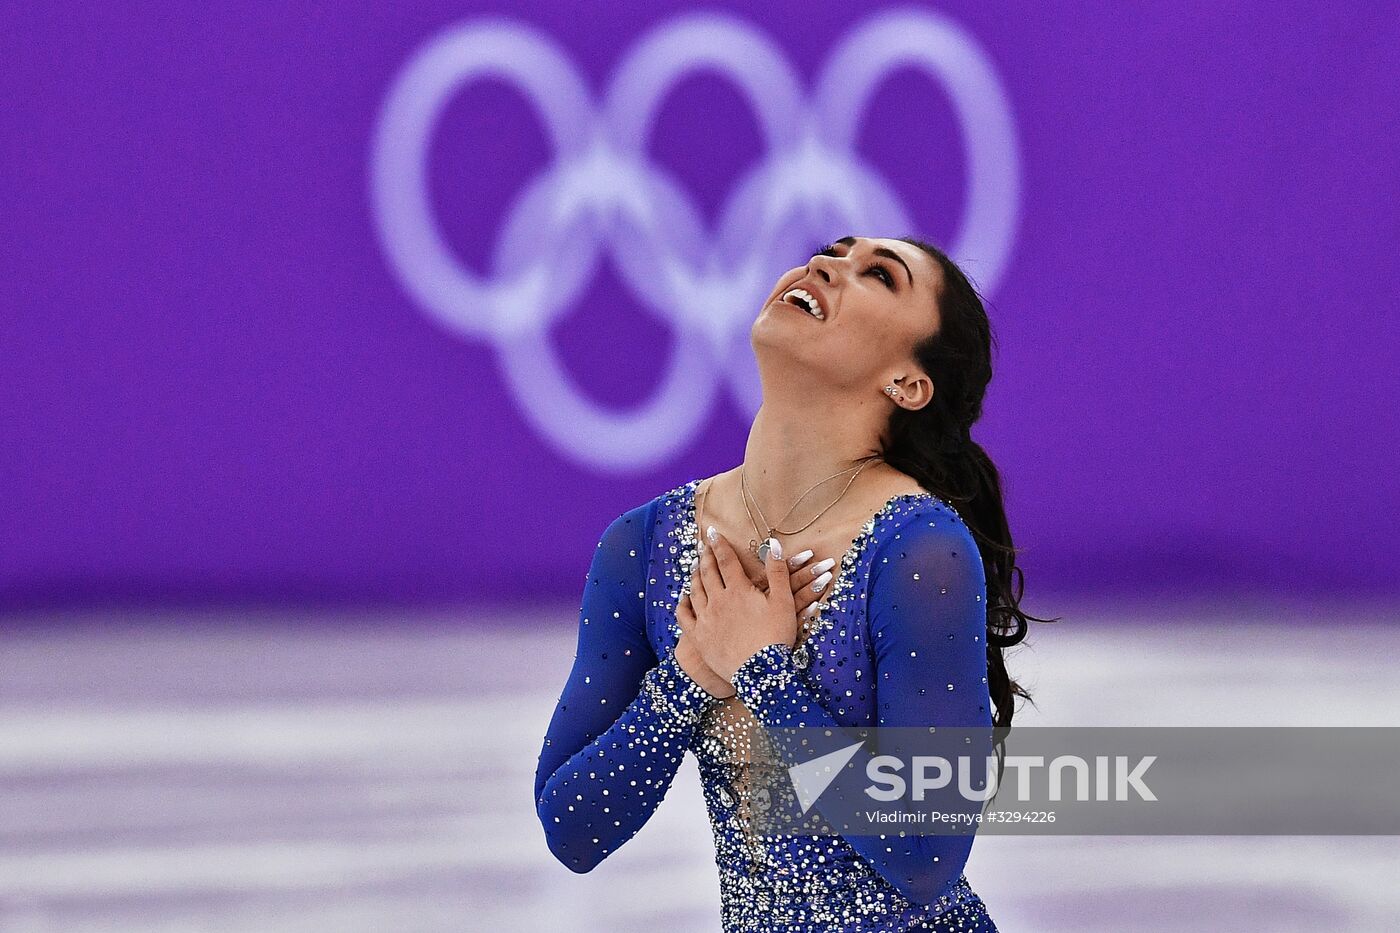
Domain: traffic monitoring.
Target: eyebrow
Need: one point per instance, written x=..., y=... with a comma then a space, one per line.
x=849, y=241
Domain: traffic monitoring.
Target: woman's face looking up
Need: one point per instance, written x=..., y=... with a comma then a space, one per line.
x=854, y=312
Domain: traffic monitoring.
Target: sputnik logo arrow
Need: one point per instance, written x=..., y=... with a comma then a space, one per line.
x=810, y=778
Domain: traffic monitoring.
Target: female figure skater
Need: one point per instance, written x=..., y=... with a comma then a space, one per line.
x=706, y=617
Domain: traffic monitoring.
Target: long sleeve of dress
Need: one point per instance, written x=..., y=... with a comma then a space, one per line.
x=625, y=717
x=927, y=610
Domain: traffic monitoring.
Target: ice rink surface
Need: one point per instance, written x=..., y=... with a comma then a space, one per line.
x=244, y=772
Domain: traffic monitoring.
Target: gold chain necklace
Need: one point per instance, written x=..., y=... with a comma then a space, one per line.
x=759, y=548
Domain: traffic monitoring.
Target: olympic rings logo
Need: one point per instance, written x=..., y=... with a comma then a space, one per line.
x=600, y=189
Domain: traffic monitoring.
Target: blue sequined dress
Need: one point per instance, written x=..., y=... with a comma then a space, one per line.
x=900, y=642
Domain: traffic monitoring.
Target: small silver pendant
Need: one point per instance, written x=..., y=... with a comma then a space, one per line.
x=763, y=550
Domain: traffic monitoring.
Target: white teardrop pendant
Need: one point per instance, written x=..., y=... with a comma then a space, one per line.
x=763, y=550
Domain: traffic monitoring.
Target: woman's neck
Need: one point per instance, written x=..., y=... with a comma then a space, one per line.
x=793, y=447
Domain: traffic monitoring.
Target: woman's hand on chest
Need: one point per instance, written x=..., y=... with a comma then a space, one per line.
x=730, y=617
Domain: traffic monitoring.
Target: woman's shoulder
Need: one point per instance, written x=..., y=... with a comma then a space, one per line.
x=929, y=559
x=908, y=503
x=642, y=520
x=678, y=496
x=922, y=521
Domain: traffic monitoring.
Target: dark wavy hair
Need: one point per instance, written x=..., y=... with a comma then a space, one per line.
x=934, y=445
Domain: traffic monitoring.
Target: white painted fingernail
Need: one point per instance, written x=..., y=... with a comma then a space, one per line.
x=824, y=565
x=820, y=582
x=775, y=548
x=712, y=534
x=797, y=560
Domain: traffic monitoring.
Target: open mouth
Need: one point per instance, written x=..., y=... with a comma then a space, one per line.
x=805, y=300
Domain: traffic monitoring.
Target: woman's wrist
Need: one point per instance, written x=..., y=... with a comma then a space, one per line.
x=768, y=668
x=674, y=693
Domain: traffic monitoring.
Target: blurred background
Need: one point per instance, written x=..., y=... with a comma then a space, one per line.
x=335, y=338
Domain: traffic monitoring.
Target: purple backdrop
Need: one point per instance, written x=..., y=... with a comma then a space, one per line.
x=220, y=385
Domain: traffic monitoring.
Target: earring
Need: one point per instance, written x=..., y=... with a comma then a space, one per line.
x=890, y=391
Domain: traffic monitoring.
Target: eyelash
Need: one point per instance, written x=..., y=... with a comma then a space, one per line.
x=828, y=250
